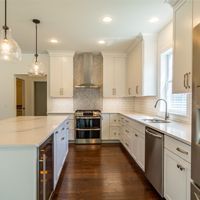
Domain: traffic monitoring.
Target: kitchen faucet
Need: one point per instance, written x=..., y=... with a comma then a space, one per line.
x=166, y=113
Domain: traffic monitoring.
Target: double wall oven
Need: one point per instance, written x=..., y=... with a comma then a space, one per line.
x=88, y=126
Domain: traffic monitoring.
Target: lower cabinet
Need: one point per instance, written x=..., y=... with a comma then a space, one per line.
x=133, y=140
x=60, y=149
x=176, y=177
x=139, y=148
x=114, y=133
x=110, y=127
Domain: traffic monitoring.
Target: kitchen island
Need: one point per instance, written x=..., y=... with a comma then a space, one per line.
x=32, y=154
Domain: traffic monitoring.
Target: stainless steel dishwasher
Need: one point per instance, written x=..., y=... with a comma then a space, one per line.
x=154, y=159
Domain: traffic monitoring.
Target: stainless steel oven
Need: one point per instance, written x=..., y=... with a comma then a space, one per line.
x=88, y=126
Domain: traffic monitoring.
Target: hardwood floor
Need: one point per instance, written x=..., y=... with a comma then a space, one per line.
x=102, y=172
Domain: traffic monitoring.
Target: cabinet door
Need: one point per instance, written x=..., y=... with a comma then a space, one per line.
x=114, y=133
x=105, y=127
x=108, y=77
x=140, y=150
x=57, y=155
x=114, y=120
x=67, y=76
x=176, y=177
x=138, y=55
x=120, y=76
x=130, y=74
x=55, y=76
x=61, y=76
x=182, y=47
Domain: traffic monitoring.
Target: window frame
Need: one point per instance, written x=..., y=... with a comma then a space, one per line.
x=162, y=88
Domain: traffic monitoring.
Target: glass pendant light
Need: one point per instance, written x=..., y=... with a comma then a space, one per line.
x=9, y=49
x=37, y=67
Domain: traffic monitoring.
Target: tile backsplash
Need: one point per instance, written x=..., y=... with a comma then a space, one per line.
x=118, y=105
x=88, y=98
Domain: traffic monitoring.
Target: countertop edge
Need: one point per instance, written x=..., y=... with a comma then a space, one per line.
x=165, y=133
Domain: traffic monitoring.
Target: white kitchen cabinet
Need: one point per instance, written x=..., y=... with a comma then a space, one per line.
x=114, y=75
x=60, y=149
x=61, y=74
x=105, y=127
x=141, y=67
x=182, y=61
x=114, y=120
x=114, y=133
x=140, y=149
x=133, y=140
x=176, y=177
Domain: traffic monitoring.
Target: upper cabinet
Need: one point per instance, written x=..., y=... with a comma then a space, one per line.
x=182, y=65
x=141, y=67
x=61, y=74
x=114, y=75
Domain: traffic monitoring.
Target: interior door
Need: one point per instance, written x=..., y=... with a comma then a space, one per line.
x=40, y=97
x=20, y=97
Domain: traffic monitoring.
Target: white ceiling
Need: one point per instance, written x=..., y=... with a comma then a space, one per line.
x=76, y=23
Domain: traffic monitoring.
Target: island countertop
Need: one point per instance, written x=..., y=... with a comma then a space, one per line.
x=28, y=130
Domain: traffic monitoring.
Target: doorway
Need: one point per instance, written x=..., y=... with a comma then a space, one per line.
x=40, y=98
x=20, y=97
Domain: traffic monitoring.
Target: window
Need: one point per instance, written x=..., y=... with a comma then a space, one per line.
x=177, y=103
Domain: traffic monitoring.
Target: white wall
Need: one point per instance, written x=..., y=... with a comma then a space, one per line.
x=7, y=82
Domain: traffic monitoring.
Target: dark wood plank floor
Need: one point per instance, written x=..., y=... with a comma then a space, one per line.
x=102, y=172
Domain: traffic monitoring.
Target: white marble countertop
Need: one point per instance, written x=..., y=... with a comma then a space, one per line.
x=177, y=130
x=29, y=130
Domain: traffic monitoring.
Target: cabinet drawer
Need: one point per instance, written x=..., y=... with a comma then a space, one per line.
x=139, y=127
x=179, y=148
x=127, y=131
x=127, y=121
x=114, y=120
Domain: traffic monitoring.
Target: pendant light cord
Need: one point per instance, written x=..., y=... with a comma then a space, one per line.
x=36, y=45
x=5, y=27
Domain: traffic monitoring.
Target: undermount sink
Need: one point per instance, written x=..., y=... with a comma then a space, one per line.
x=154, y=120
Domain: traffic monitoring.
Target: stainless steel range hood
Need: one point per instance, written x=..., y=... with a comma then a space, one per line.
x=88, y=71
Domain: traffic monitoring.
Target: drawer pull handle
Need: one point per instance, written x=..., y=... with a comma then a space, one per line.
x=182, y=151
x=180, y=167
x=126, y=121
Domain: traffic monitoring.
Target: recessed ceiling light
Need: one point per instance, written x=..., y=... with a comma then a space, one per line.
x=107, y=19
x=101, y=42
x=54, y=41
x=154, y=20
